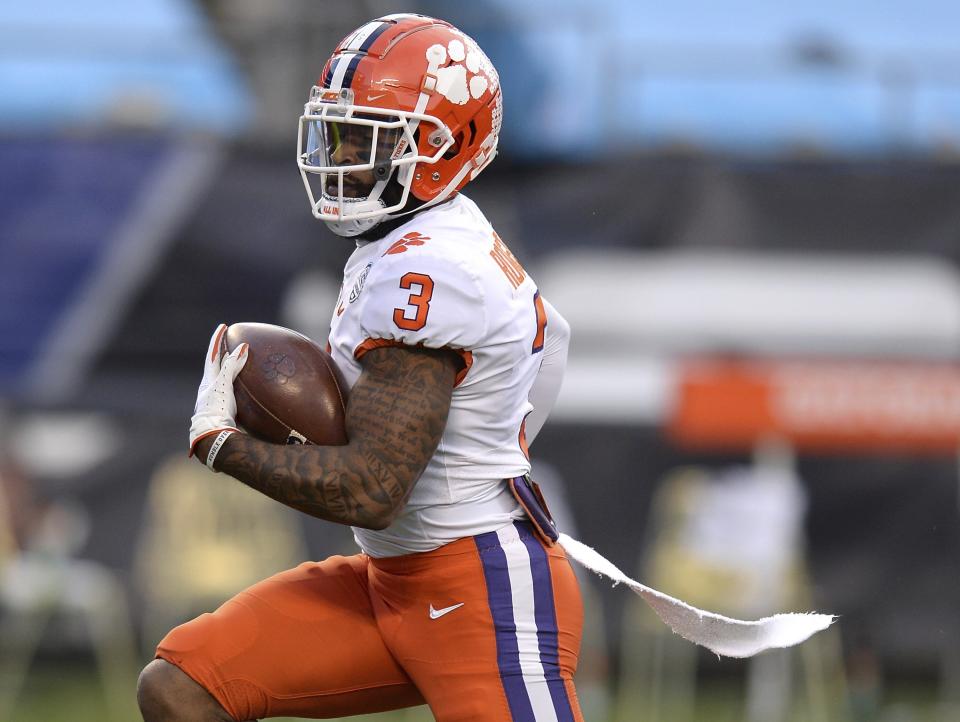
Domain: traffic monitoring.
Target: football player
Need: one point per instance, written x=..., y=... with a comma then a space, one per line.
x=460, y=598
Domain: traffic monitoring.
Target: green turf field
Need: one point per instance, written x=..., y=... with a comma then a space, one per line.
x=72, y=692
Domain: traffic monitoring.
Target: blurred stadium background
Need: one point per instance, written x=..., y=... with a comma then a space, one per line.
x=749, y=212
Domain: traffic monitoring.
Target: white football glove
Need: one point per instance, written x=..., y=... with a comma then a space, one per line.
x=216, y=405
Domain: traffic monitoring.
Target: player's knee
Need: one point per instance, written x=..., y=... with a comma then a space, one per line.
x=164, y=692
x=156, y=690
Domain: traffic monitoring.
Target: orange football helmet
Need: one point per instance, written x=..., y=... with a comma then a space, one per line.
x=407, y=105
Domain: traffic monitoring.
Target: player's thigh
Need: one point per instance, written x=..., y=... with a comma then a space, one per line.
x=301, y=643
x=491, y=634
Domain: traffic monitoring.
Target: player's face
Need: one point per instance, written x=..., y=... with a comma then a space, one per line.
x=344, y=145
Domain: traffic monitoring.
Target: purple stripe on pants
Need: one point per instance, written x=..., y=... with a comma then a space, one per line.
x=501, y=608
x=545, y=614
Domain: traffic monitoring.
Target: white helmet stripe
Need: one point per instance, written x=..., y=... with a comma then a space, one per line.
x=343, y=62
x=401, y=16
x=360, y=37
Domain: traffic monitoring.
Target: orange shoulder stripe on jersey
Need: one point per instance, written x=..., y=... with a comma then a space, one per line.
x=371, y=343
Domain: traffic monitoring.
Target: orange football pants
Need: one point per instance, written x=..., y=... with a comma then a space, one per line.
x=486, y=628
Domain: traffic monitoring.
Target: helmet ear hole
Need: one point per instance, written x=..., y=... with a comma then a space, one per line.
x=455, y=148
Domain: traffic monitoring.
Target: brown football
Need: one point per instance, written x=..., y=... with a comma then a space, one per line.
x=290, y=391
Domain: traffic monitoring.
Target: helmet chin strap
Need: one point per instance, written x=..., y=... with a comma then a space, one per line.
x=354, y=227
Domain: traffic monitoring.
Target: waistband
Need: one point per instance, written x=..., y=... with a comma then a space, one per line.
x=466, y=545
x=424, y=528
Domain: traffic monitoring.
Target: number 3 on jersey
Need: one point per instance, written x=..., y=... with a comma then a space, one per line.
x=419, y=300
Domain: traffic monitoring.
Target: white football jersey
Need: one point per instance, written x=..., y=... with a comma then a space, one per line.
x=446, y=280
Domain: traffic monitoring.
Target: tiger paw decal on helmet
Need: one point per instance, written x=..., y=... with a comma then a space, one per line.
x=467, y=76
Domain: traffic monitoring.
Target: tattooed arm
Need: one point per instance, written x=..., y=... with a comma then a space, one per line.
x=395, y=417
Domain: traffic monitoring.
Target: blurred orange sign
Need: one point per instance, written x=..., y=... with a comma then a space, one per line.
x=819, y=406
